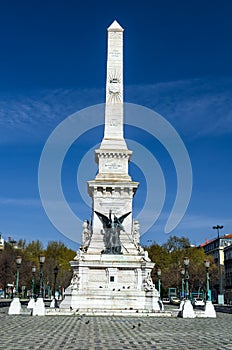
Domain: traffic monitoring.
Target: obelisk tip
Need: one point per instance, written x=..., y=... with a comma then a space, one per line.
x=115, y=26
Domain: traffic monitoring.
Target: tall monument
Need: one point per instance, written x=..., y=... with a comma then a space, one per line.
x=111, y=271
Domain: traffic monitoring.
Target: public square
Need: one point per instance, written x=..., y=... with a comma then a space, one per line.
x=114, y=332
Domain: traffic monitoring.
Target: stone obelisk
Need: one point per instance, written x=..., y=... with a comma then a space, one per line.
x=111, y=271
x=113, y=135
x=113, y=190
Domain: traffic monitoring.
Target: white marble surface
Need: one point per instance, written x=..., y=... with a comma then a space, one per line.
x=119, y=280
x=210, y=310
x=31, y=304
x=187, y=310
x=39, y=308
x=15, y=307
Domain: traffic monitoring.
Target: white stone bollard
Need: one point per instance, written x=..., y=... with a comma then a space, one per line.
x=209, y=309
x=187, y=310
x=31, y=304
x=15, y=307
x=39, y=309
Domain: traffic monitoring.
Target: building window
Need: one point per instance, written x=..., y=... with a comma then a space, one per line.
x=111, y=278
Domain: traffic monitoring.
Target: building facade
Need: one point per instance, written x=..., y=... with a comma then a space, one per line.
x=228, y=273
x=218, y=248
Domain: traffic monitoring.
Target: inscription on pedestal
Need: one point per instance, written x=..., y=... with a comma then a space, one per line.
x=113, y=166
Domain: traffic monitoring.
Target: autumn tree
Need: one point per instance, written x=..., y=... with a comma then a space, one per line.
x=176, y=243
x=56, y=253
x=7, y=266
x=170, y=259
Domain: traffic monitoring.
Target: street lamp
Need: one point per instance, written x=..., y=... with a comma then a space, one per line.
x=18, y=263
x=186, y=263
x=41, y=262
x=159, y=280
x=15, y=305
x=218, y=227
x=56, y=270
x=207, y=264
x=182, y=271
x=33, y=281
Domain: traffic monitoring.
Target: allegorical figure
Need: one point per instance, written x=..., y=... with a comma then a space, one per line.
x=75, y=282
x=111, y=232
x=136, y=236
x=86, y=235
x=136, y=233
x=148, y=283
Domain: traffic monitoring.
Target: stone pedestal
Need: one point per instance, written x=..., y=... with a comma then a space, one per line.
x=31, y=304
x=15, y=307
x=39, y=309
x=181, y=305
x=209, y=309
x=54, y=303
x=187, y=310
x=111, y=283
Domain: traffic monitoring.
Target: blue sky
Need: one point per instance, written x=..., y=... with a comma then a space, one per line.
x=177, y=61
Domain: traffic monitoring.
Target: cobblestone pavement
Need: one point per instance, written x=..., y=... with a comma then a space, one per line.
x=25, y=332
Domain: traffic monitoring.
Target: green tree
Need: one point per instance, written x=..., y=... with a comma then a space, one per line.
x=176, y=243
x=170, y=259
x=57, y=254
x=7, y=266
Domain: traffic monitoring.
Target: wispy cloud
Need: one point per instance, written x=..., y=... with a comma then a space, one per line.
x=20, y=202
x=36, y=114
x=194, y=107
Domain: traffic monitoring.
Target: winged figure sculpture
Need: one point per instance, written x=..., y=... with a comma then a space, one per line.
x=112, y=228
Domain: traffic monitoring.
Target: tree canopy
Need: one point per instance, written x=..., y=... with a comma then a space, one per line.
x=169, y=257
x=56, y=255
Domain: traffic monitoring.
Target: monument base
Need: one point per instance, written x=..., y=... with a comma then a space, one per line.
x=209, y=309
x=31, y=304
x=111, y=283
x=187, y=310
x=15, y=307
x=108, y=301
x=39, y=308
x=54, y=303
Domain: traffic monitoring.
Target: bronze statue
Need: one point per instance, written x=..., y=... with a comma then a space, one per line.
x=112, y=228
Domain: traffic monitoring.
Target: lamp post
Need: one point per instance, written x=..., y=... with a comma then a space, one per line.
x=209, y=308
x=33, y=282
x=18, y=263
x=218, y=227
x=186, y=263
x=15, y=305
x=182, y=271
x=39, y=308
x=159, y=280
x=207, y=264
x=56, y=270
x=186, y=305
x=221, y=298
x=41, y=262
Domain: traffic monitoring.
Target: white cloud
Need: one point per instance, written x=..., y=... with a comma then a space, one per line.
x=20, y=202
x=194, y=107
